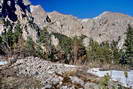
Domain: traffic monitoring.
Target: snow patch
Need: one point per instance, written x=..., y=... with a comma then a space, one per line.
x=3, y=62
x=115, y=75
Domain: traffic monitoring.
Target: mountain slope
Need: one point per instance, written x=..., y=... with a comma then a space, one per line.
x=108, y=26
x=34, y=22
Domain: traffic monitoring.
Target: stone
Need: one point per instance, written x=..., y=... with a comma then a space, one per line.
x=91, y=86
x=30, y=66
x=48, y=86
x=64, y=87
x=76, y=80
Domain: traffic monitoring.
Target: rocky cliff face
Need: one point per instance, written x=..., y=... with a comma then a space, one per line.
x=108, y=26
x=16, y=12
x=39, y=15
x=64, y=24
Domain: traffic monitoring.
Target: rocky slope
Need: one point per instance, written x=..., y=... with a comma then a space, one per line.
x=108, y=26
x=37, y=73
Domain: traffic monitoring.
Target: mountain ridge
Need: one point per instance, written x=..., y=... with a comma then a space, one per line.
x=107, y=26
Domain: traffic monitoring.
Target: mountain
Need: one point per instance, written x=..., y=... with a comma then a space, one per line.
x=33, y=20
x=35, y=23
x=108, y=26
x=16, y=12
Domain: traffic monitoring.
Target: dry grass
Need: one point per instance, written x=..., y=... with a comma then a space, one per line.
x=20, y=83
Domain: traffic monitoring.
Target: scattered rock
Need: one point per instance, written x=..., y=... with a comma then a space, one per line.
x=91, y=86
x=76, y=80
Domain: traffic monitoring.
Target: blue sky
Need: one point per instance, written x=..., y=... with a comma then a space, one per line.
x=86, y=8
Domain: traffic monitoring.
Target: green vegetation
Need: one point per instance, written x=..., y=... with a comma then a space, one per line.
x=73, y=48
x=0, y=39
x=69, y=50
x=30, y=46
x=78, y=50
x=64, y=42
x=129, y=46
x=126, y=76
x=65, y=47
x=104, y=82
x=45, y=41
x=104, y=53
x=9, y=38
x=44, y=36
x=33, y=49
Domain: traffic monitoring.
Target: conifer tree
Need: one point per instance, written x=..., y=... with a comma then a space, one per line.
x=129, y=45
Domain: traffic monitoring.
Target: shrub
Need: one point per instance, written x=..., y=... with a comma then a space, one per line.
x=30, y=47
x=44, y=36
x=104, y=82
x=39, y=52
x=11, y=37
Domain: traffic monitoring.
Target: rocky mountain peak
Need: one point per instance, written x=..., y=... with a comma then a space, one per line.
x=39, y=15
x=55, y=13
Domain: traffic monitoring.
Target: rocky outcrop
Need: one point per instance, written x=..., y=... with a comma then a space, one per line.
x=39, y=15
x=64, y=24
x=108, y=26
x=35, y=72
x=33, y=66
x=15, y=12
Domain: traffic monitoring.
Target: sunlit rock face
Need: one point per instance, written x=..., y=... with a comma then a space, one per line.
x=8, y=9
x=18, y=12
x=39, y=15
x=108, y=26
x=65, y=24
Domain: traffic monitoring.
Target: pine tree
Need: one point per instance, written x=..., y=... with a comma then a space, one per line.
x=129, y=45
x=78, y=49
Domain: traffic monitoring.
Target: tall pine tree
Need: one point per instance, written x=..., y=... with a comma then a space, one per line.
x=129, y=45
